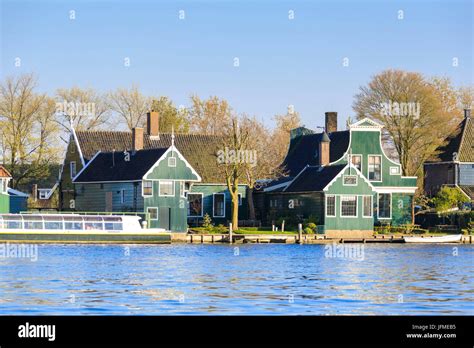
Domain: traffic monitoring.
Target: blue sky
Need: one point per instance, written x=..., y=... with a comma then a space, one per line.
x=282, y=62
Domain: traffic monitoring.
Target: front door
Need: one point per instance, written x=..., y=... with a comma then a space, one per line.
x=108, y=201
x=164, y=218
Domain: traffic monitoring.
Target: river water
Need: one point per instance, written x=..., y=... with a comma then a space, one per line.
x=273, y=279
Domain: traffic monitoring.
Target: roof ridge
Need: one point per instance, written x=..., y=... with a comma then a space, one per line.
x=463, y=134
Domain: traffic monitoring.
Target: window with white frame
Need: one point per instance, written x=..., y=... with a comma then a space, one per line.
x=195, y=204
x=218, y=205
x=375, y=167
x=357, y=161
x=152, y=213
x=394, y=170
x=122, y=196
x=147, y=188
x=239, y=195
x=166, y=188
x=72, y=169
x=4, y=186
x=171, y=161
x=182, y=189
x=349, y=206
x=350, y=180
x=43, y=194
x=367, y=206
x=331, y=206
x=385, y=206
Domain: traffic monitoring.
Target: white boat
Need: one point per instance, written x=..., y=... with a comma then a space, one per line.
x=76, y=228
x=456, y=238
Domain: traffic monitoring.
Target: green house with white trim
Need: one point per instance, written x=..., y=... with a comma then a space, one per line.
x=342, y=179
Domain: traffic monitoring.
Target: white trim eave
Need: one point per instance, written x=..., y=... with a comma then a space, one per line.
x=342, y=172
x=291, y=181
x=17, y=193
x=275, y=187
x=374, y=124
x=393, y=189
x=84, y=167
x=105, y=182
x=76, y=140
x=174, y=149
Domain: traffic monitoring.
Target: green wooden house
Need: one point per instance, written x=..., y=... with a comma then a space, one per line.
x=161, y=179
x=209, y=196
x=342, y=179
x=5, y=178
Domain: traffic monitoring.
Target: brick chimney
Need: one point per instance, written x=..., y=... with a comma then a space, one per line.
x=153, y=123
x=331, y=122
x=324, y=150
x=467, y=113
x=137, y=139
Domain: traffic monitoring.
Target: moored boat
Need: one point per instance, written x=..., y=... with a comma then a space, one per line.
x=430, y=239
x=76, y=228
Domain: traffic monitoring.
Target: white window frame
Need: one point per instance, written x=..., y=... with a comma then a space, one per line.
x=157, y=213
x=202, y=205
x=371, y=206
x=361, y=160
x=170, y=164
x=143, y=188
x=239, y=198
x=159, y=188
x=378, y=205
x=70, y=169
x=122, y=196
x=4, y=187
x=381, y=168
x=357, y=207
x=182, y=190
x=42, y=194
x=344, y=183
x=326, y=206
x=213, y=205
x=397, y=168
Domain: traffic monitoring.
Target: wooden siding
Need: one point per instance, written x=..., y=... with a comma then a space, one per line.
x=92, y=197
x=4, y=203
x=466, y=174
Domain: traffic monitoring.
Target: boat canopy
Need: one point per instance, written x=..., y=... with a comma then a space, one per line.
x=66, y=222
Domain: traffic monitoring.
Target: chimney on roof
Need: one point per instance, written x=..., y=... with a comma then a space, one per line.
x=467, y=113
x=153, y=123
x=331, y=122
x=137, y=138
x=34, y=192
x=324, y=150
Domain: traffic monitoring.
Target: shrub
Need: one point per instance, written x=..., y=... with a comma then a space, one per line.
x=207, y=222
x=308, y=230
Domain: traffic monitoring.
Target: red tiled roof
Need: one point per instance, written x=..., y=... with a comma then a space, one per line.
x=4, y=173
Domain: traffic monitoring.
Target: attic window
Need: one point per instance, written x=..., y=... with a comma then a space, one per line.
x=394, y=170
x=350, y=180
x=171, y=161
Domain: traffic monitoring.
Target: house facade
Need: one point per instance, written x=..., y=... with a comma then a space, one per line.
x=5, y=178
x=453, y=165
x=208, y=196
x=341, y=179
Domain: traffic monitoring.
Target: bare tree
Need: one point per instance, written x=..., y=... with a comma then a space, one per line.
x=28, y=129
x=130, y=105
x=209, y=116
x=281, y=134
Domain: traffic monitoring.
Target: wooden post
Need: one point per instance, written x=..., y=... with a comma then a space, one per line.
x=230, y=232
x=273, y=228
x=300, y=233
x=283, y=226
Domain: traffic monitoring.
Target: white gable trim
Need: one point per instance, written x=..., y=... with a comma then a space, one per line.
x=291, y=181
x=76, y=140
x=373, y=125
x=83, y=168
x=342, y=173
x=173, y=149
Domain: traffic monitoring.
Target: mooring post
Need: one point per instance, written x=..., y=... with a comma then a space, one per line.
x=300, y=233
x=283, y=226
x=230, y=232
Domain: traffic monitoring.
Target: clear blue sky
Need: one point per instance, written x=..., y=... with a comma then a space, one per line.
x=282, y=61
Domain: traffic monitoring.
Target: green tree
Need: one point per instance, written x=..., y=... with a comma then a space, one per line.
x=170, y=116
x=449, y=198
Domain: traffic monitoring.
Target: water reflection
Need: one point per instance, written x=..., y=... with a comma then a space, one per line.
x=262, y=279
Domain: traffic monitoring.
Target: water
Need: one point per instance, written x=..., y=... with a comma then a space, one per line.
x=261, y=279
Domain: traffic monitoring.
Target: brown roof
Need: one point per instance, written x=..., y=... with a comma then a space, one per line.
x=4, y=173
x=199, y=150
x=460, y=141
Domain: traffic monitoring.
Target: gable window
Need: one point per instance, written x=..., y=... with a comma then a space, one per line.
x=375, y=168
x=349, y=206
x=166, y=188
x=195, y=204
x=331, y=206
x=147, y=188
x=43, y=194
x=394, y=170
x=72, y=169
x=350, y=180
x=367, y=206
x=171, y=161
x=153, y=213
x=218, y=205
x=385, y=206
x=357, y=161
